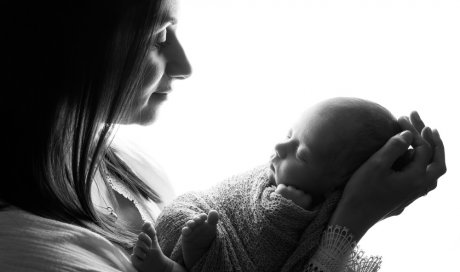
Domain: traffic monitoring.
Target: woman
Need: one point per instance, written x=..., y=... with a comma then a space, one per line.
x=77, y=68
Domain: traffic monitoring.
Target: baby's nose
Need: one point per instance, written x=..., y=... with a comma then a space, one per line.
x=280, y=150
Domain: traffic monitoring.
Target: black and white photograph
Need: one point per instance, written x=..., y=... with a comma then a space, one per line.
x=230, y=135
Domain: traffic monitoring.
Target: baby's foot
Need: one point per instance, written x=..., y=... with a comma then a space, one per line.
x=197, y=236
x=297, y=196
x=147, y=255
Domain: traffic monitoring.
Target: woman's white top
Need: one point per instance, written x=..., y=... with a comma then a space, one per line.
x=147, y=169
x=32, y=243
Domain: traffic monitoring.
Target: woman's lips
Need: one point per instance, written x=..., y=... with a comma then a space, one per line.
x=163, y=91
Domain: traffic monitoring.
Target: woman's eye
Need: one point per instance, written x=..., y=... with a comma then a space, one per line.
x=162, y=36
x=160, y=39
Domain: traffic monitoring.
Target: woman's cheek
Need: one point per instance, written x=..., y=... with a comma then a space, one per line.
x=151, y=73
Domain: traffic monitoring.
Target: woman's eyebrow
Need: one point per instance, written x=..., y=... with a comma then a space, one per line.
x=168, y=20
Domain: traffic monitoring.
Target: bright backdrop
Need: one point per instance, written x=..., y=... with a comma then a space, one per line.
x=259, y=63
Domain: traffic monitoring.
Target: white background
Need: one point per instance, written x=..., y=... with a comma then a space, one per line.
x=259, y=63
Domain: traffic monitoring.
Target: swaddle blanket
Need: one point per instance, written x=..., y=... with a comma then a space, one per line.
x=32, y=243
x=258, y=229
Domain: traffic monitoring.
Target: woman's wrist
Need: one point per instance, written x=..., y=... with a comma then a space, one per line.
x=354, y=217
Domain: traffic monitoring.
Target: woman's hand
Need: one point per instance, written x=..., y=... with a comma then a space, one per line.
x=376, y=190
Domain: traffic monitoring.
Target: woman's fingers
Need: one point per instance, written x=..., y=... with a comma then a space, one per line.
x=406, y=124
x=437, y=168
x=416, y=121
x=418, y=124
x=427, y=134
x=392, y=150
x=422, y=149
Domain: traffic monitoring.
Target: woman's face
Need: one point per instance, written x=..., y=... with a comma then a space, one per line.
x=166, y=62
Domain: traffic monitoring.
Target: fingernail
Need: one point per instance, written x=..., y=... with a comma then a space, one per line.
x=429, y=134
x=401, y=133
x=429, y=131
x=407, y=136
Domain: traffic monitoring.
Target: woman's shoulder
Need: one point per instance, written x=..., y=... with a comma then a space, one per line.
x=32, y=243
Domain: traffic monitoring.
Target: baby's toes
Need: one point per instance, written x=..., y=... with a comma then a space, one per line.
x=140, y=252
x=213, y=217
x=196, y=221
x=151, y=233
x=193, y=223
x=190, y=224
x=144, y=241
x=188, y=228
x=148, y=229
x=201, y=217
x=186, y=231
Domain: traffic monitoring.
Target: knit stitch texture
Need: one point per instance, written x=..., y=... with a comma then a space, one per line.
x=258, y=229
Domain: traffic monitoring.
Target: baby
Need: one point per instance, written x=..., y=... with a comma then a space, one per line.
x=265, y=213
x=326, y=145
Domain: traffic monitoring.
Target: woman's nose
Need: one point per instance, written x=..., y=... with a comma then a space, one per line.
x=177, y=66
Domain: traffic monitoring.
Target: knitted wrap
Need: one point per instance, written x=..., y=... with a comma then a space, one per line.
x=258, y=229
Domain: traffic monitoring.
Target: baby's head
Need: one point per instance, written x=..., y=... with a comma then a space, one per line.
x=329, y=142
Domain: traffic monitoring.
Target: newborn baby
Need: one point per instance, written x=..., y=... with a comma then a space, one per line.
x=271, y=218
x=326, y=145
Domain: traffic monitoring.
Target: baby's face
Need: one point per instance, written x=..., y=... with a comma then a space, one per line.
x=308, y=156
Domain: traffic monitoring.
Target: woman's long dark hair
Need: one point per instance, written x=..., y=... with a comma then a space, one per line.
x=72, y=73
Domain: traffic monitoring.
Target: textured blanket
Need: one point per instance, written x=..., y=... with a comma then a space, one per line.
x=258, y=229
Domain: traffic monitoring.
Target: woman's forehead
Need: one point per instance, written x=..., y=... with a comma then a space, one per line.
x=167, y=15
x=170, y=9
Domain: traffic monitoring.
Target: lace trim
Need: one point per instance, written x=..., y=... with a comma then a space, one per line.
x=337, y=252
x=122, y=190
x=360, y=263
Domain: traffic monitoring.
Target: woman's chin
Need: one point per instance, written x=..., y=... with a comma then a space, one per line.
x=144, y=117
x=147, y=117
x=148, y=114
